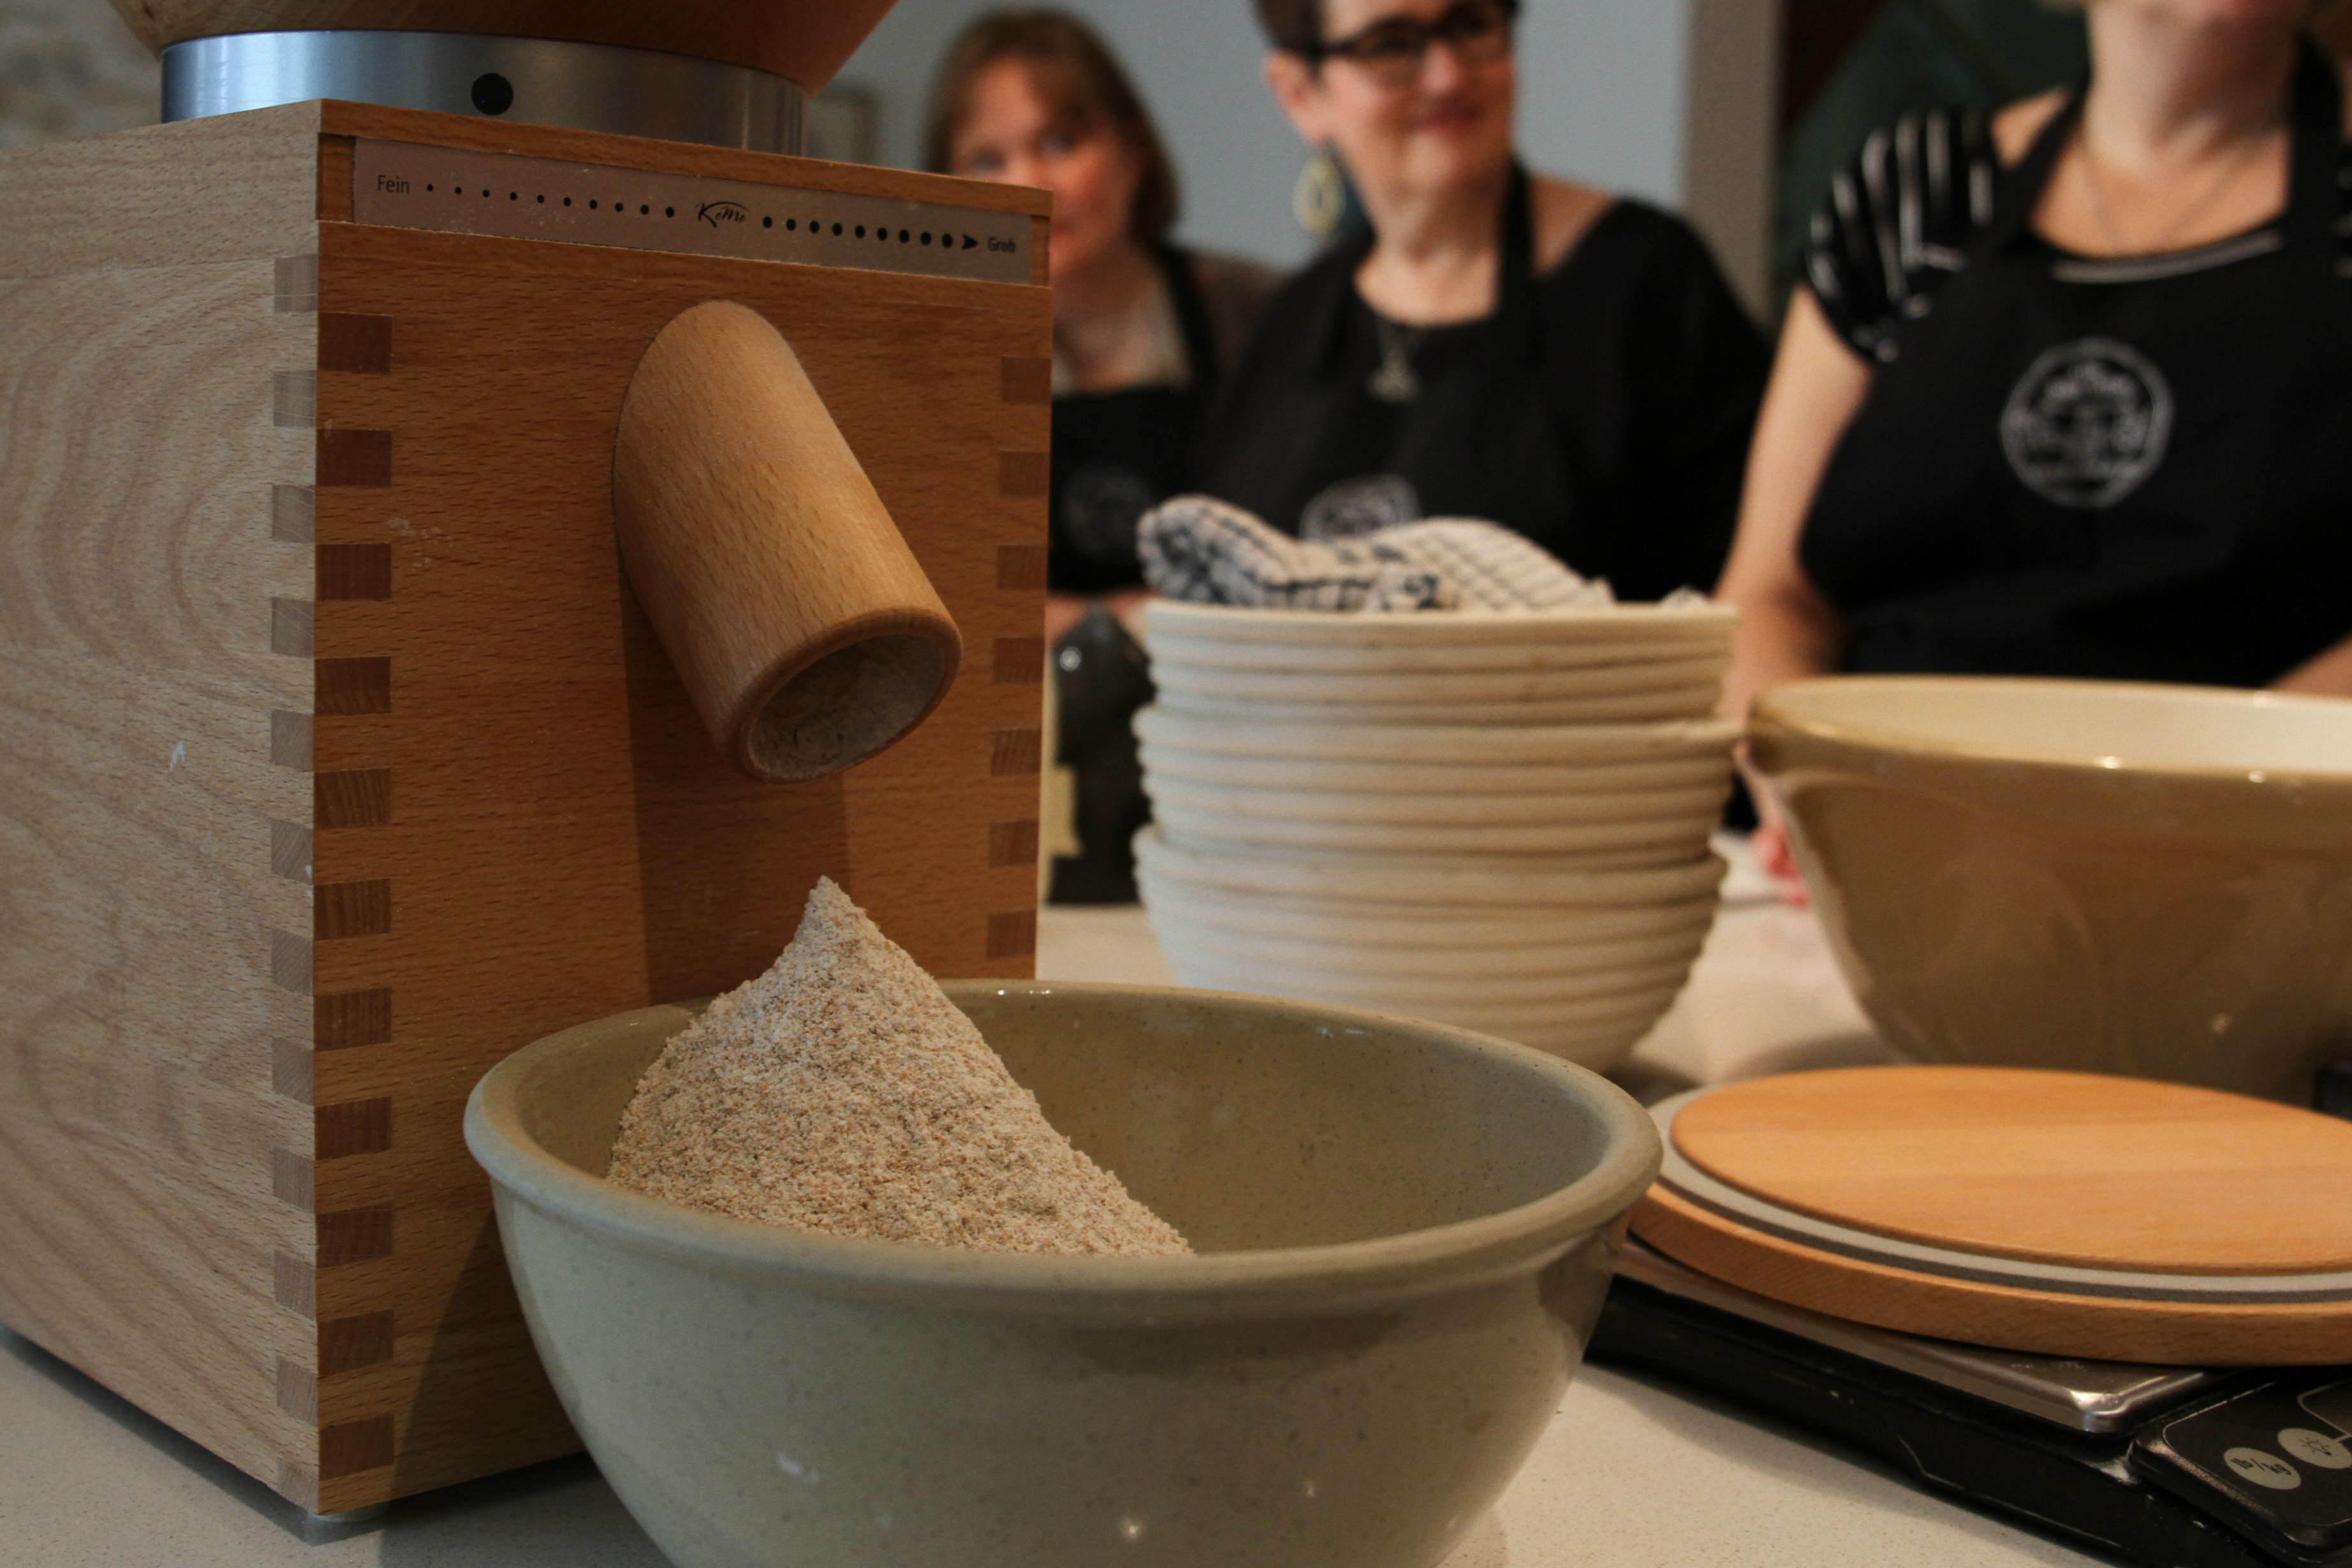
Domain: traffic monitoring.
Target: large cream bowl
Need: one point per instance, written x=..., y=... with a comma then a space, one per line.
x=2115, y=877
x=1405, y=1235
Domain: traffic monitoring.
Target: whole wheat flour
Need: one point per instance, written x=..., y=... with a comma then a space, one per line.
x=842, y=1092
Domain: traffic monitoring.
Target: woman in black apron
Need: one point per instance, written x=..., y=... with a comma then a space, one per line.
x=1593, y=391
x=1119, y=452
x=1117, y=455
x=2036, y=460
x=1140, y=329
x=2127, y=466
x=2111, y=468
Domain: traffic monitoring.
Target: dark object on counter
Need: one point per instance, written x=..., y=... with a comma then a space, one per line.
x=2331, y=1089
x=2122, y=1485
x=1117, y=455
x=1101, y=678
x=2270, y=1460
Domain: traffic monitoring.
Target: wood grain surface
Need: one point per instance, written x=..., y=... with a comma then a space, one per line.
x=141, y=1136
x=565, y=840
x=2071, y=1168
x=267, y=913
x=2165, y=1333
x=235, y=187
x=803, y=41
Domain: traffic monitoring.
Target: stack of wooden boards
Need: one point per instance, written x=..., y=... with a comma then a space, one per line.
x=2068, y=1214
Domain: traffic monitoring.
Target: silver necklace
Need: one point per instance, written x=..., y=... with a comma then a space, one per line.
x=2095, y=182
x=1394, y=380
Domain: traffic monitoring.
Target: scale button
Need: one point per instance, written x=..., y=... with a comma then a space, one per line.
x=2264, y=1468
x=2316, y=1448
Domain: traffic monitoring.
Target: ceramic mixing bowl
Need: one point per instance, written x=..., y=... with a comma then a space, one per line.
x=1702, y=803
x=1504, y=746
x=1205, y=929
x=1561, y=846
x=1577, y=963
x=1304, y=638
x=1687, y=702
x=2122, y=878
x=1405, y=1232
x=1565, y=781
x=1175, y=678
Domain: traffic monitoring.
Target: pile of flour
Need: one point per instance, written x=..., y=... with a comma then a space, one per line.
x=842, y=1092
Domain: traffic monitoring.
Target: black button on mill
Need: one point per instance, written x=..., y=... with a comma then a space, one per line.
x=493, y=94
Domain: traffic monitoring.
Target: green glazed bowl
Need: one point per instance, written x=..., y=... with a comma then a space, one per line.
x=1405, y=1232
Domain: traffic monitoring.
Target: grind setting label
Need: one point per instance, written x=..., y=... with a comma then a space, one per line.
x=401, y=184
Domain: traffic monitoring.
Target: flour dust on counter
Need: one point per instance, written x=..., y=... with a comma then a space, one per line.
x=842, y=1092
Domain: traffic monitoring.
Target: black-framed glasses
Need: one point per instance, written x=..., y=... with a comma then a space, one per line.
x=1391, y=51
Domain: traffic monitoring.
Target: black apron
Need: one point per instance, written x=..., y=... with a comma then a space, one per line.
x=2129, y=468
x=1327, y=457
x=1117, y=455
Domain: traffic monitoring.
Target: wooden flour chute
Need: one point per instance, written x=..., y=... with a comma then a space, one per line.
x=337, y=757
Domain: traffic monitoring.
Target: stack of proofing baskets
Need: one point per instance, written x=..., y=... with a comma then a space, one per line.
x=1497, y=820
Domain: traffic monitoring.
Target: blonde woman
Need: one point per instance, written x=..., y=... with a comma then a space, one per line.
x=2067, y=389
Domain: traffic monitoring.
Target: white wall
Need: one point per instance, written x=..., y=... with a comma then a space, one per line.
x=1602, y=92
x=1603, y=98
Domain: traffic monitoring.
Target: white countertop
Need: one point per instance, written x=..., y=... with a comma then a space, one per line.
x=1632, y=1474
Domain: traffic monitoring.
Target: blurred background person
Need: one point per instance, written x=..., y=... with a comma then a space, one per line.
x=2067, y=389
x=1141, y=327
x=1142, y=331
x=1488, y=344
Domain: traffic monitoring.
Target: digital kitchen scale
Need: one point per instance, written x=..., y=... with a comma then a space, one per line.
x=2175, y=1466
x=1925, y=1260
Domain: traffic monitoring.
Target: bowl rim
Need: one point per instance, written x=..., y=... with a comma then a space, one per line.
x=1318, y=803
x=1683, y=704
x=1638, y=619
x=1173, y=671
x=1630, y=741
x=1772, y=714
x=1194, y=1288
x=1438, y=881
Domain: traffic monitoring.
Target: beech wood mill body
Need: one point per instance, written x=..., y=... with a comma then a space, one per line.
x=336, y=760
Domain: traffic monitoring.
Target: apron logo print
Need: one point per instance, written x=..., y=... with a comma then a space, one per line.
x=2088, y=422
x=1101, y=504
x=1351, y=509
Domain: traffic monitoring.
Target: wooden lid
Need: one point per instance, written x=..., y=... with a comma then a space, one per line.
x=803, y=41
x=2067, y=1214
x=2062, y=1167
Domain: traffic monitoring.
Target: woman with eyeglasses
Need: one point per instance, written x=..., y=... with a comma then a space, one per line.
x=1496, y=345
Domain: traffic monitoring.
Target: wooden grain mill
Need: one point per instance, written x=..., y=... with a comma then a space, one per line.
x=338, y=756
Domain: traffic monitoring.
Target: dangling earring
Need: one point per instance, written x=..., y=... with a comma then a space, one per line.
x=1319, y=199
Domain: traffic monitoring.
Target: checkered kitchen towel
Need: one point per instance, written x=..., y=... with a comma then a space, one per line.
x=1202, y=551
